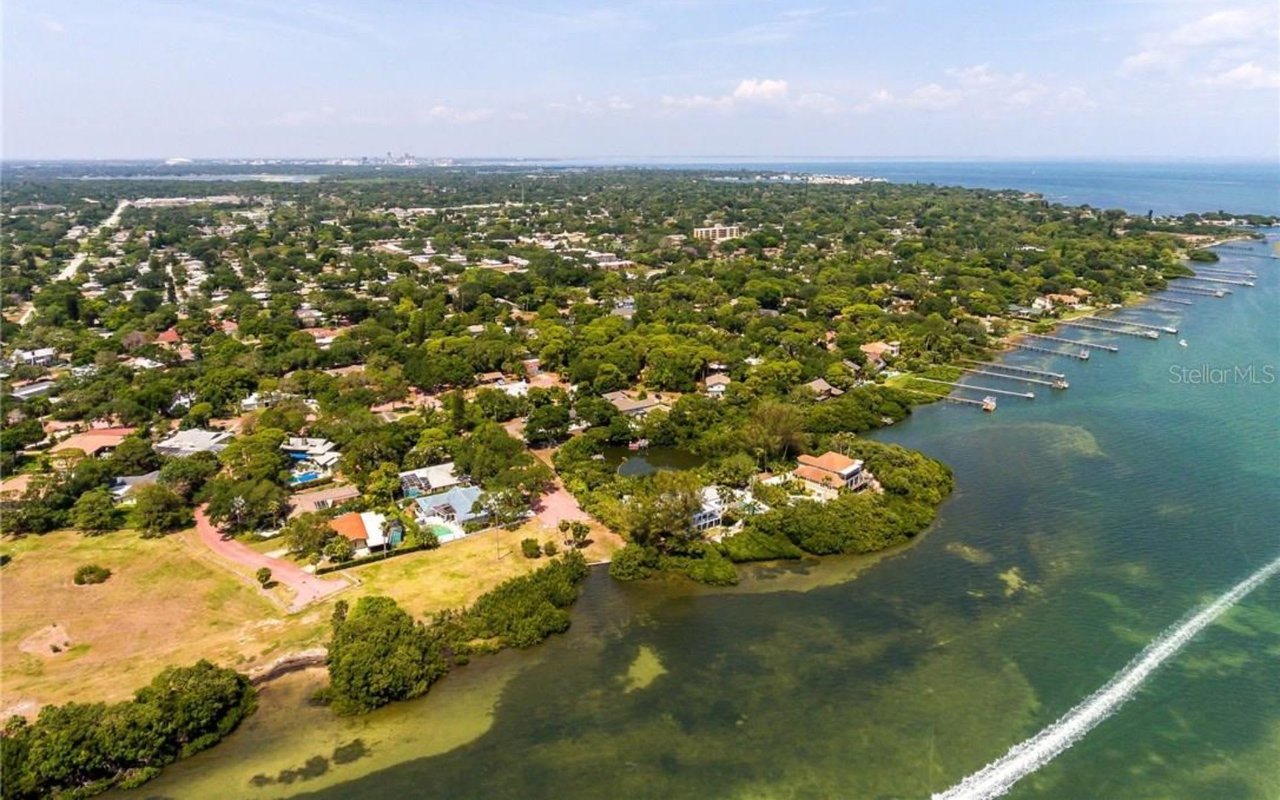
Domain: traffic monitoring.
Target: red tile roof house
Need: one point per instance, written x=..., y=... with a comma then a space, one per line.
x=826, y=475
x=170, y=337
x=367, y=530
x=878, y=352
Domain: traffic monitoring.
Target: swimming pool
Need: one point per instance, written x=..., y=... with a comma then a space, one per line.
x=445, y=534
x=304, y=477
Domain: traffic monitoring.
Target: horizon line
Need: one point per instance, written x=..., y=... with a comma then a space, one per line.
x=625, y=158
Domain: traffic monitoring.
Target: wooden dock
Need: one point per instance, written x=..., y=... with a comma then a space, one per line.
x=1145, y=333
x=971, y=387
x=1237, y=250
x=1082, y=355
x=1173, y=300
x=1223, y=277
x=1057, y=383
x=1197, y=290
x=1039, y=373
x=1131, y=323
x=1110, y=348
x=1243, y=274
x=965, y=401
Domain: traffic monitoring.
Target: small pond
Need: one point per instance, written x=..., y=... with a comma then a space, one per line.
x=637, y=464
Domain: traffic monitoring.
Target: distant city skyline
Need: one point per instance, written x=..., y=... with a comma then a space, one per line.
x=667, y=79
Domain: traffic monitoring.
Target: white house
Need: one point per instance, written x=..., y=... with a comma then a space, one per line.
x=428, y=480
x=191, y=441
x=717, y=385
x=40, y=357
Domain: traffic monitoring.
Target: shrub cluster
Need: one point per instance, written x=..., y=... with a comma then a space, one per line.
x=81, y=749
x=91, y=573
x=379, y=654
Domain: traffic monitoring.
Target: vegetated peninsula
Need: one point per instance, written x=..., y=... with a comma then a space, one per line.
x=225, y=399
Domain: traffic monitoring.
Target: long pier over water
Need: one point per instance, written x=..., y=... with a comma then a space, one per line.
x=1039, y=373
x=1131, y=323
x=1198, y=290
x=1082, y=355
x=1146, y=333
x=1110, y=348
x=970, y=386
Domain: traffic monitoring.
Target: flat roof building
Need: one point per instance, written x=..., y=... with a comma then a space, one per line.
x=194, y=440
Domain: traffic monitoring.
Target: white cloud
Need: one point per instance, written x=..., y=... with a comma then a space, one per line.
x=976, y=75
x=455, y=115
x=752, y=90
x=1145, y=60
x=584, y=105
x=1248, y=76
x=932, y=97
x=53, y=26
x=696, y=101
x=1211, y=44
x=1223, y=27
x=749, y=91
x=1073, y=100
x=817, y=101
x=981, y=89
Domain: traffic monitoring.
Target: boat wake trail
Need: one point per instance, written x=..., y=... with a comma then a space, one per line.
x=1023, y=759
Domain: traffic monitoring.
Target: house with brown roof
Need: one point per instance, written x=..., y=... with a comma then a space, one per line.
x=169, y=337
x=367, y=531
x=630, y=405
x=822, y=389
x=825, y=476
x=321, y=499
x=95, y=442
x=878, y=353
x=717, y=385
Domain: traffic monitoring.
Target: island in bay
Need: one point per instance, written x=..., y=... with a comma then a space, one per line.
x=383, y=424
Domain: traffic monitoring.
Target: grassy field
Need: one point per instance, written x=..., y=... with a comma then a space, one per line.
x=162, y=605
x=459, y=572
x=171, y=601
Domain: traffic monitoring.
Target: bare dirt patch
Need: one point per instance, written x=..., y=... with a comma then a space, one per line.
x=48, y=641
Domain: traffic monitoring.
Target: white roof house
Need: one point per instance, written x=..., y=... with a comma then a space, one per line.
x=717, y=384
x=191, y=441
x=375, y=535
x=427, y=480
x=41, y=356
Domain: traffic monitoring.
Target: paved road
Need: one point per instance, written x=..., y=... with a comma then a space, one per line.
x=307, y=588
x=558, y=505
x=69, y=271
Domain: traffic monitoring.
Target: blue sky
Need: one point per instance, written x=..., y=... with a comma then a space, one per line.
x=883, y=78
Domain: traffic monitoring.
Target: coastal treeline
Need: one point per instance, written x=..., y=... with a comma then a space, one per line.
x=82, y=749
x=912, y=486
x=379, y=653
x=736, y=442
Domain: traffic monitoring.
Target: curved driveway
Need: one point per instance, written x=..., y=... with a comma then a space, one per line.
x=307, y=588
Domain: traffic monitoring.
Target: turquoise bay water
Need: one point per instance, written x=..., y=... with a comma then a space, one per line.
x=1084, y=523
